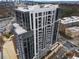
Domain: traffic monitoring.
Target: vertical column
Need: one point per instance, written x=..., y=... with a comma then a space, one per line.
x=34, y=26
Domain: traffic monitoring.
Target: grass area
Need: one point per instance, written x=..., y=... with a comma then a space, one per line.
x=69, y=10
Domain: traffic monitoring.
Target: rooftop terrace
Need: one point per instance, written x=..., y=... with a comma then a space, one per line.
x=71, y=19
x=19, y=30
x=36, y=7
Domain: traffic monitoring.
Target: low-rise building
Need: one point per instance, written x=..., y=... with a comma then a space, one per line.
x=72, y=32
x=5, y=24
x=68, y=22
x=52, y=53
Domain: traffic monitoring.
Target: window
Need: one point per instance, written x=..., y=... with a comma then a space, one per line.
x=49, y=12
x=53, y=12
x=49, y=17
x=52, y=18
x=40, y=18
x=48, y=22
x=43, y=13
x=36, y=42
x=36, y=23
x=40, y=29
x=35, y=14
x=40, y=22
x=26, y=53
x=56, y=16
x=49, y=26
x=43, y=21
x=40, y=32
x=40, y=14
x=46, y=13
x=24, y=43
x=23, y=17
x=39, y=25
x=32, y=20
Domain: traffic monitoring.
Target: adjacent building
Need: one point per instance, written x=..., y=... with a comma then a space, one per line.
x=42, y=21
x=24, y=42
x=72, y=32
x=4, y=22
x=67, y=22
x=52, y=53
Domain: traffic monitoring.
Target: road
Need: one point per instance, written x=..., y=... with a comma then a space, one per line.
x=0, y=55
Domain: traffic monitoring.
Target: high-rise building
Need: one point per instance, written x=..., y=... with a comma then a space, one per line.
x=43, y=21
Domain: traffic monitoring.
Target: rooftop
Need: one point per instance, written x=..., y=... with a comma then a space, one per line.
x=71, y=19
x=36, y=7
x=73, y=29
x=18, y=29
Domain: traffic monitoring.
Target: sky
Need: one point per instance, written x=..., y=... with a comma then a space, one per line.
x=54, y=0
x=46, y=0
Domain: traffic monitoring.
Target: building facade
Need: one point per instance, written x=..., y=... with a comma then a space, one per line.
x=24, y=42
x=67, y=22
x=43, y=21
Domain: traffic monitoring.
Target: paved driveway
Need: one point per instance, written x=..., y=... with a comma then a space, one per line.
x=9, y=51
